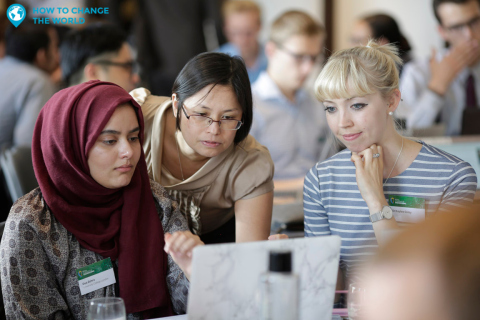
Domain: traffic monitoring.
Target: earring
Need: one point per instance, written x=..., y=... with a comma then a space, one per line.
x=390, y=113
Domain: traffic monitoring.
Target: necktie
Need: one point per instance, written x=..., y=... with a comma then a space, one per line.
x=471, y=100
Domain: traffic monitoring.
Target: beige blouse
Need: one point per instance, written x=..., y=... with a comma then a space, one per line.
x=207, y=198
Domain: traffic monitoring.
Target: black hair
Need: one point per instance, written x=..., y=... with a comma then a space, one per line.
x=437, y=3
x=79, y=46
x=24, y=41
x=384, y=26
x=212, y=68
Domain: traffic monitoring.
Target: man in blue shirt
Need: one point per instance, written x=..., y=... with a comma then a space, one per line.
x=287, y=120
x=242, y=21
x=31, y=55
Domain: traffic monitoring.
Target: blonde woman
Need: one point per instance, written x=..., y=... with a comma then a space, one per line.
x=347, y=194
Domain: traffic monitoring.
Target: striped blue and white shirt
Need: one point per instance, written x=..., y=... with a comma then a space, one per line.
x=333, y=205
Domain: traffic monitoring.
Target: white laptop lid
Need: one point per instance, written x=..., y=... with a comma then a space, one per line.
x=225, y=277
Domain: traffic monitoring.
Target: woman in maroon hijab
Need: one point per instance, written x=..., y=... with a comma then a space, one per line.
x=94, y=202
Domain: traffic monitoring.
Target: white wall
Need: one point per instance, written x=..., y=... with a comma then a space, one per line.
x=415, y=17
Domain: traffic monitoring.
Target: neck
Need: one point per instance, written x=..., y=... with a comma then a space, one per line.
x=391, y=146
x=250, y=57
x=186, y=151
x=287, y=92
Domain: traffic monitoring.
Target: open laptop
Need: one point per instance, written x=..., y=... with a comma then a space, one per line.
x=225, y=278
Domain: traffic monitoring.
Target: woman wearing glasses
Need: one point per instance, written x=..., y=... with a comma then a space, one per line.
x=354, y=193
x=197, y=146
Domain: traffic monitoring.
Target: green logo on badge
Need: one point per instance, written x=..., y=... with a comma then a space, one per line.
x=392, y=200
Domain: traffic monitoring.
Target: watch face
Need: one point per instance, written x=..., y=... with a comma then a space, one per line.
x=387, y=212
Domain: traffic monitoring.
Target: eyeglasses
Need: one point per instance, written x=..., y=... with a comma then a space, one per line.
x=130, y=66
x=204, y=121
x=458, y=29
x=299, y=58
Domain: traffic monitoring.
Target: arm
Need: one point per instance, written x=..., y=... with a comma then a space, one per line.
x=421, y=105
x=369, y=174
x=38, y=95
x=28, y=288
x=253, y=218
x=460, y=189
x=316, y=217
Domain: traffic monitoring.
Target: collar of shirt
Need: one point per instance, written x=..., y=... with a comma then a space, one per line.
x=266, y=89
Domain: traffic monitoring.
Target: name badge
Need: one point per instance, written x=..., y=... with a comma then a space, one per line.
x=95, y=276
x=407, y=209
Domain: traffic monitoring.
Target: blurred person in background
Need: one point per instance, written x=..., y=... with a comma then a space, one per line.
x=31, y=56
x=287, y=119
x=430, y=272
x=242, y=23
x=98, y=52
x=384, y=29
x=168, y=33
x=440, y=88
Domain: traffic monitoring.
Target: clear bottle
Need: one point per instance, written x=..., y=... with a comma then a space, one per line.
x=279, y=289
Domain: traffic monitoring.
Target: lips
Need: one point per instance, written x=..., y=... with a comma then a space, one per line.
x=211, y=144
x=124, y=168
x=351, y=136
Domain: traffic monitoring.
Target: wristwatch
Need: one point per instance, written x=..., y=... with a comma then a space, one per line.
x=385, y=213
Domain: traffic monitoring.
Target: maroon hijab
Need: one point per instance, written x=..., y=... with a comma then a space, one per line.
x=120, y=223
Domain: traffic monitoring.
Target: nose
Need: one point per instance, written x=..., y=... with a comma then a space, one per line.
x=126, y=150
x=344, y=120
x=468, y=32
x=214, y=128
x=135, y=79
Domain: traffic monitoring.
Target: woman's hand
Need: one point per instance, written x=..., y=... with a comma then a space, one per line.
x=277, y=237
x=180, y=246
x=369, y=174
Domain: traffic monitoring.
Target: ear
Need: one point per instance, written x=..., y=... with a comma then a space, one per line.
x=90, y=72
x=41, y=58
x=174, y=105
x=270, y=49
x=442, y=33
x=394, y=100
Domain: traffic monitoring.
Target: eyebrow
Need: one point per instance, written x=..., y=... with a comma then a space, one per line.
x=118, y=132
x=205, y=107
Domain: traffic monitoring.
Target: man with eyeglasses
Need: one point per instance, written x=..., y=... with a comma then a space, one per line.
x=99, y=51
x=442, y=88
x=287, y=119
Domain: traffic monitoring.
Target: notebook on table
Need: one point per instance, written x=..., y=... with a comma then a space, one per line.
x=225, y=278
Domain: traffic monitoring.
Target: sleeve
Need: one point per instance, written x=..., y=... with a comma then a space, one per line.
x=172, y=221
x=316, y=219
x=421, y=105
x=254, y=176
x=460, y=189
x=29, y=286
x=38, y=95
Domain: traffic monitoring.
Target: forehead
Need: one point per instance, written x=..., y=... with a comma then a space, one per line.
x=125, y=53
x=454, y=13
x=304, y=43
x=219, y=98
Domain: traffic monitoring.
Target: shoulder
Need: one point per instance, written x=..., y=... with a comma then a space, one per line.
x=444, y=159
x=150, y=103
x=251, y=151
x=27, y=207
x=228, y=48
x=160, y=194
x=416, y=68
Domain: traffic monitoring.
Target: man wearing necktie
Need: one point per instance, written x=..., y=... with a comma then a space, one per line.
x=439, y=89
